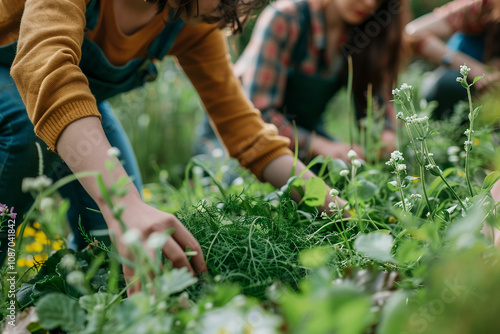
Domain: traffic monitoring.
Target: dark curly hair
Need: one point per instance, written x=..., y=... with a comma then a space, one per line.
x=233, y=12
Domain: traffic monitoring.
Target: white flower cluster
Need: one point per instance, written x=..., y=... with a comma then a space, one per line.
x=414, y=119
x=464, y=70
x=434, y=169
x=344, y=172
x=396, y=161
x=453, y=153
x=113, y=152
x=352, y=154
x=405, y=89
x=467, y=132
x=396, y=157
x=468, y=145
x=37, y=184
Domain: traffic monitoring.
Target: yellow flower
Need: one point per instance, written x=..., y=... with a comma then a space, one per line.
x=36, y=225
x=476, y=141
x=146, y=194
x=25, y=263
x=57, y=245
x=417, y=178
x=460, y=173
x=41, y=238
x=392, y=220
x=29, y=232
x=41, y=258
x=34, y=247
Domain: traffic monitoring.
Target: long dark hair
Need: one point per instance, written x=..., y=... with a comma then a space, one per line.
x=233, y=12
x=377, y=61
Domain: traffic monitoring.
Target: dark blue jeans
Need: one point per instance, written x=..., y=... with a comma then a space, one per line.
x=19, y=159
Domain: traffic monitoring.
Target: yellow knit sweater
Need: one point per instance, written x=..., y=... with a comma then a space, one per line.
x=56, y=92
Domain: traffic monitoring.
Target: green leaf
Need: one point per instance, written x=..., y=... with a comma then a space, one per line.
x=366, y=189
x=172, y=282
x=315, y=257
x=334, y=168
x=58, y=310
x=110, y=165
x=490, y=180
x=315, y=192
x=393, y=185
x=104, y=191
x=409, y=179
x=88, y=303
x=476, y=79
x=476, y=111
x=376, y=245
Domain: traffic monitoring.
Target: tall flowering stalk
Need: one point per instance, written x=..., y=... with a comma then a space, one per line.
x=418, y=130
x=469, y=143
x=396, y=162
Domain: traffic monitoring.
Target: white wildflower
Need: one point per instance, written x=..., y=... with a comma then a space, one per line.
x=464, y=70
x=131, y=236
x=401, y=167
x=75, y=278
x=68, y=262
x=113, y=152
x=37, y=184
x=156, y=240
x=356, y=163
x=352, y=154
x=334, y=192
x=344, y=172
x=452, y=150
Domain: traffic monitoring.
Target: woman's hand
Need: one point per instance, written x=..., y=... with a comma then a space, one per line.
x=488, y=83
x=326, y=147
x=147, y=220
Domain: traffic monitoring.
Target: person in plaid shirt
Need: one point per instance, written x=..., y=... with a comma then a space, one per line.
x=472, y=29
x=296, y=61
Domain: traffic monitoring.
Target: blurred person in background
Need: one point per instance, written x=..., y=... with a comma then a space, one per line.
x=296, y=61
x=459, y=32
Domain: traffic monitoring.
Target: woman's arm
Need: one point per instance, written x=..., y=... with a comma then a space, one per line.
x=429, y=32
x=254, y=143
x=87, y=133
x=59, y=102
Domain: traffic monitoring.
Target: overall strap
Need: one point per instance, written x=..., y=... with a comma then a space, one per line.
x=92, y=14
x=164, y=41
x=300, y=50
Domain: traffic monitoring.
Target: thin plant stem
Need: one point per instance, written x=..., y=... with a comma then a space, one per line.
x=349, y=101
x=453, y=192
x=398, y=179
x=469, y=146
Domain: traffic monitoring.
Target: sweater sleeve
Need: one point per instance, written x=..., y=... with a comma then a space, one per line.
x=202, y=53
x=52, y=86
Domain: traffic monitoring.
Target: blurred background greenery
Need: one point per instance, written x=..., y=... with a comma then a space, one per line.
x=161, y=119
